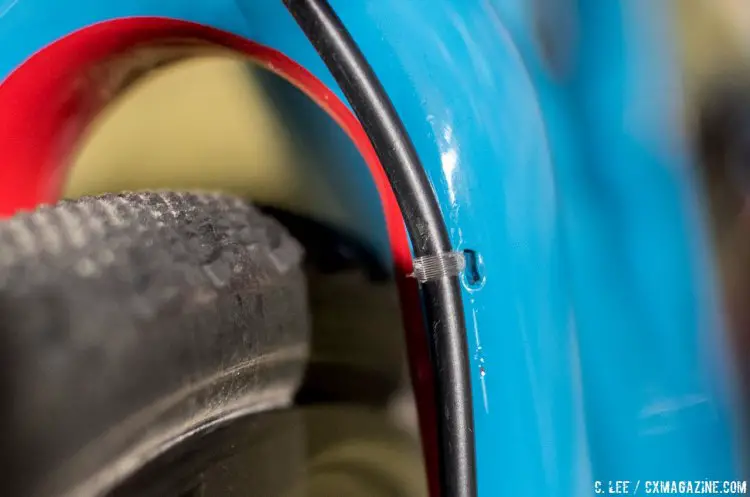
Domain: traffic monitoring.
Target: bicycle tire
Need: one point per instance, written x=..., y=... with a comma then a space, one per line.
x=130, y=320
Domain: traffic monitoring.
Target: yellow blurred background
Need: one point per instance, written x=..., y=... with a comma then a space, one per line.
x=205, y=123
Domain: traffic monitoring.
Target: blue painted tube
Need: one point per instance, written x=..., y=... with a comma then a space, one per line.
x=594, y=333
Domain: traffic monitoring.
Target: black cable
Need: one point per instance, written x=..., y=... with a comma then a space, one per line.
x=426, y=227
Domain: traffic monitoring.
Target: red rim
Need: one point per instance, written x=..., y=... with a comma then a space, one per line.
x=46, y=110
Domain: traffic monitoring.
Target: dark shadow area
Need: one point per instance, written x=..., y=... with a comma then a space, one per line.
x=358, y=350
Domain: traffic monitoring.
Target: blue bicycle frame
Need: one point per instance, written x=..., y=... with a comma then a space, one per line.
x=551, y=135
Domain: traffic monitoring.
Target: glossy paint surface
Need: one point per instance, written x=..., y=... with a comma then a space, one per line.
x=656, y=393
x=594, y=336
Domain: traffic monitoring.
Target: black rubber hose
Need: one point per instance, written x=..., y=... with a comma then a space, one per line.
x=426, y=227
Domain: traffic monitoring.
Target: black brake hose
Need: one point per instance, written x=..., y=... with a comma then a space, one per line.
x=427, y=230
